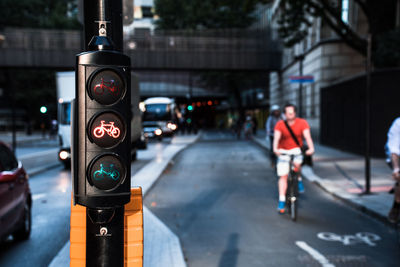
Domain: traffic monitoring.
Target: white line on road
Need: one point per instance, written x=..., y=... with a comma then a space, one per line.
x=315, y=254
x=38, y=196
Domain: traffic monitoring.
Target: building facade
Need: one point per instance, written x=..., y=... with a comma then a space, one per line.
x=323, y=55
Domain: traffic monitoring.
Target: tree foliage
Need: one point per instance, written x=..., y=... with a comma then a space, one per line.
x=33, y=88
x=29, y=90
x=205, y=14
x=57, y=14
x=296, y=15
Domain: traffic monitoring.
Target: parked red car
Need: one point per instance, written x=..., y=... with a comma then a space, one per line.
x=15, y=197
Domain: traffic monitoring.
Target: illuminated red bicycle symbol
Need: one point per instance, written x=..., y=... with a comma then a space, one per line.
x=109, y=128
x=110, y=86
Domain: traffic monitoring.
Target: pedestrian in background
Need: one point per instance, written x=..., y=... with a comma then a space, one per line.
x=248, y=127
x=393, y=155
x=273, y=118
x=43, y=129
x=254, y=120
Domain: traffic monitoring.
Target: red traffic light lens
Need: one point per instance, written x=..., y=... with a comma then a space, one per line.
x=107, y=130
x=106, y=87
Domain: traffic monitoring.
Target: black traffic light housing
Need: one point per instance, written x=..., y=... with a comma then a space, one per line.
x=102, y=155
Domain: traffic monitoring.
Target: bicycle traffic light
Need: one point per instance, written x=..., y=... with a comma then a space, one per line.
x=102, y=156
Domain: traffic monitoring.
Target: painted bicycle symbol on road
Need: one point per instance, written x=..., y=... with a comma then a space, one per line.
x=109, y=172
x=110, y=86
x=347, y=240
x=108, y=128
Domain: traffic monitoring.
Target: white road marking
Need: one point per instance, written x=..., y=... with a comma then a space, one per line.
x=38, y=196
x=363, y=237
x=315, y=254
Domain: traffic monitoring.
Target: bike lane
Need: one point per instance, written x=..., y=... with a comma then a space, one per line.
x=220, y=198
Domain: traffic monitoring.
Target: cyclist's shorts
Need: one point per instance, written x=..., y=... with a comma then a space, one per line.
x=282, y=166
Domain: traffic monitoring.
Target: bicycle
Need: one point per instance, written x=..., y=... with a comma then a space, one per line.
x=109, y=128
x=103, y=173
x=99, y=88
x=292, y=191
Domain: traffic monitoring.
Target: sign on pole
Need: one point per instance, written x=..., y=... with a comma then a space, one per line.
x=301, y=79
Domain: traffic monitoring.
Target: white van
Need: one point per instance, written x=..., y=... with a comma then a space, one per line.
x=159, y=118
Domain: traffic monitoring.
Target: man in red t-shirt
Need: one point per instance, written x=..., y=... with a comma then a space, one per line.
x=284, y=145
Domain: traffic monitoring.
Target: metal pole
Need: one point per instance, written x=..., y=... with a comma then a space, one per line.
x=368, y=119
x=12, y=90
x=106, y=14
x=301, y=57
x=105, y=237
x=190, y=86
x=104, y=226
x=14, y=134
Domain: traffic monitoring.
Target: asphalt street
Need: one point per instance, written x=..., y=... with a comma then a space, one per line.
x=220, y=198
x=51, y=192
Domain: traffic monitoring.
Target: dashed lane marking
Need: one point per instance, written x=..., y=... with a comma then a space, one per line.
x=38, y=196
x=315, y=254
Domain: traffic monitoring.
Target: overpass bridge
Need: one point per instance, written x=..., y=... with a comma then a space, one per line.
x=220, y=50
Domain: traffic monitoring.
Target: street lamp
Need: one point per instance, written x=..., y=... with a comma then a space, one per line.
x=368, y=118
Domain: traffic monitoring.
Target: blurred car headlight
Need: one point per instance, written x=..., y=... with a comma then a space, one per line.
x=158, y=132
x=172, y=126
x=63, y=155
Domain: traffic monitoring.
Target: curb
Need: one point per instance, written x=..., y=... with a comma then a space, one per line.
x=168, y=163
x=308, y=173
x=38, y=170
x=25, y=141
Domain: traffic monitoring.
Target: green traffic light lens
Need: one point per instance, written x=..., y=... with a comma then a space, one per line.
x=106, y=172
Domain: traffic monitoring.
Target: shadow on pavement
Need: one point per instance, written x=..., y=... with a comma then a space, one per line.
x=230, y=255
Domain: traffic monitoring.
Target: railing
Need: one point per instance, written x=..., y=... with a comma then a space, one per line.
x=41, y=39
x=206, y=49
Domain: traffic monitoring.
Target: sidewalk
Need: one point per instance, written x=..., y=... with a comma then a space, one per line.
x=161, y=246
x=34, y=162
x=342, y=175
x=22, y=137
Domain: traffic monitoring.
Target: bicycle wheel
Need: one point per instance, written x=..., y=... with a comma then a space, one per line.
x=98, y=175
x=98, y=89
x=115, y=133
x=293, y=195
x=293, y=209
x=98, y=132
x=114, y=175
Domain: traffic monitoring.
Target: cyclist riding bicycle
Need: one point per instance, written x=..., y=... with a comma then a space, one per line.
x=285, y=145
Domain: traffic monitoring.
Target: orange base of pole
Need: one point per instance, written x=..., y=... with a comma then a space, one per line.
x=133, y=232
